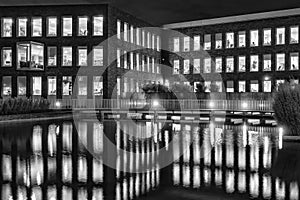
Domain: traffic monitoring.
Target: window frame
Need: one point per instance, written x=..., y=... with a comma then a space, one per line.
x=284, y=36
x=32, y=26
x=266, y=30
x=291, y=28
x=11, y=27
x=48, y=26
x=62, y=56
x=48, y=56
x=18, y=27
x=85, y=34
x=2, y=56
x=78, y=56
x=63, y=26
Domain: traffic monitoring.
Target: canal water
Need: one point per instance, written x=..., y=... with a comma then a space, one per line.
x=66, y=160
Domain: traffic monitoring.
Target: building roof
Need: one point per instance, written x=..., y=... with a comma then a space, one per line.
x=237, y=18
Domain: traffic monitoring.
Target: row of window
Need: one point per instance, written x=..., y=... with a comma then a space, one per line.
x=254, y=40
x=207, y=65
x=52, y=23
x=138, y=36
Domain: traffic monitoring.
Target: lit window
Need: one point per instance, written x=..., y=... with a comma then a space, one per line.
x=176, y=67
x=137, y=62
x=82, y=85
x=207, y=65
x=267, y=62
x=51, y=26
x=153, y=41
x=148, y=39
x=6, y=27
x=267, y=37
x=279, y=82
x=267, y=86
x=229, y=64
x=138, y=36
x=242, y=63
x=118, y=57
x=131, y=60
x=242, y=39
x=207, y=42
x=254, y=87
x=219, y=41
x=254, y=38
x=52, y=85
x=280, y=36
x=186, y=66
x=6, y=86
x=196, y=43
x=82, y=26
x=36, y=27
x=158, y=43
x=242, y=86
x=219, y=65
x=52, y=56
x=21, y=85
x=37, y=86
x=254, y=63
x=131, y=34
x=6, y=57
x=22, y=27
x=67, y=85
x=294, y=35
x=67, y=56
x=67, y=26
x=196, y=67
x=125, y=59
x=119, y=29
x=98, y=25
x=294, y=61
x=229, y=40
x=280, y=62
x=186, y=44
x=82, y=56
x=176, y=44
x=30, y=56
x=219, y=85
x=229, y=86
x=153, y=65
x=98, y=85
x=207, y=85
x=143, y=38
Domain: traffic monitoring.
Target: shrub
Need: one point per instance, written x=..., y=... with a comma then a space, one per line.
x=287, y=107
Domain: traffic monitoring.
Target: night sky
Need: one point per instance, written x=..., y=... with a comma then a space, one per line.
x=160, y=12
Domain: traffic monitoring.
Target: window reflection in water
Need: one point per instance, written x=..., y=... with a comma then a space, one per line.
x=242, y=182
x=118, y=191
x=52, y=140
x=186, y=143
x=294, y=191
x=67, y=169
x=51, y=193
x=82, y=136
x=196, y=177
x=186, y=176
x=267, y=184
x=22, y=193
x=176, y=174
x=67, y=193
x=6, y=168
x=254, y=151
x=98, y=138
x=98, y=171
x=267, y=157
x=82, y=169
x=207, y=176
x=280, y=189
x=67, y=137
x=218, y=177
x=196, y=146
x=229, y=149
x=206, y=148
x=6, y=192
x=37, y=172
x=254, y=185
x=36, y=193
x=125, y=190
x=37, y=140
x=230, y=181
x=82, y=194
x=97, y=194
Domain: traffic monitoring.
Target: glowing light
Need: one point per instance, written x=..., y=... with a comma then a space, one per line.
x=58, y=104
x=155, y=103
x=211, y=104
x=280, y=138
x=244, y=105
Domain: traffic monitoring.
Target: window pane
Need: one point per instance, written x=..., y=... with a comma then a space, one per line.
x=267, y=62
x=280, y=62
x=98, y=56
x=98, y=85
x=98, y=26
x=119, y=29
x=176, y=44
x=294, y=35
x=242, y=86
x=52, y=56
x=37, y=27
x=176, y=67
x=242, y=39
x=82, y=26
x=67, y=85
x=82, y=85
x=52, y=26
x=21, y=85
x=37, y=86
x=82, y=56
x=196, y=66
x=207, y=42
x=219, y=65
x=230, y=40
x=37, y=56
x=230, y=87
x=67, y=26
x=7, y=57
x=196, y=43
x=186, y=43
x=7, y=27
x=22, y=27
x=6, y=86
x=125, y=32
x=30, y=56
x=230, y=64
x=267, y=37
x=131, y=34
x=51, y=85
x=219, y=41
x=207, y=65
x=267, y=86
x=254, y=38
x=280, y=36
x=254, y=87
x=242, y=63
x=294, y=60
x=67, y=56
x=254, y=63
x=186, y=67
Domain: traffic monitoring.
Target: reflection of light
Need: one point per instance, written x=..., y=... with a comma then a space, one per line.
x=57, y=130
x=211, y=104
x=155, y=103
x=244, y=105
x=280, y=138
x=38, y=178
x=58, y=104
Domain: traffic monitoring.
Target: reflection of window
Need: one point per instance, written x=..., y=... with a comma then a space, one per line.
x=267, y=62
x=119, y=24
x=294, y=35
x=207, y=65
x=30, y=55
x=98, y=85
x=196, y=43
x=36, y=27
x=280, y=62
x=196, y=66
x=176, y=67
x=67, y=85
x=254, y=86
x=82, y=85
x=267, y=37
x=242, y=63
x=254, y=38
x=219, y=86
x=219, y=65
x=207, y=42
x=254, y=62
x=52, y=56
x=82, y=26
x=37, y=86
x=22, y=27
x=51, y=85
x=242, y=39
x=229, y=86
x=21, y=85
x=207, y=85
x=82, y=56
x=242, y=86
x=280, y=36
x=229, y=40
x=51, y=26
x=294, y=60
x=6, y=86
x=67, y=26
x=186, y=67
x=267, y=87
x=67, y=56
x=6, y=57
x=279, y=82
x=186, y=44
x=219, y=41
x=6, y=27
x=176, y=44
x=98, y=25
x=138, y=38
x=229, y=64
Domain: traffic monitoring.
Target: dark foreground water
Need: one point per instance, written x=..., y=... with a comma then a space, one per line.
x=64, y=160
